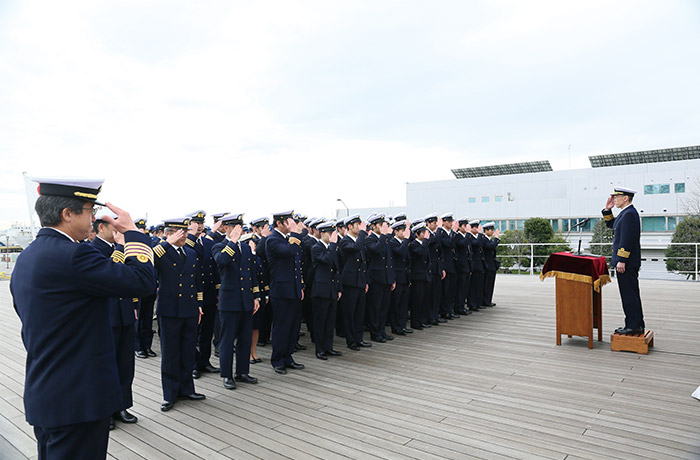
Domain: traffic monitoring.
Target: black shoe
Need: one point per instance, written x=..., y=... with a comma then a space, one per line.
x=465, y=312
x=245, y=378
x=628, y=331
x=195, y=374
x=440, y=320
x=322, y=355
x=401, y=332
x=252, y=361
x=378, y=339
x=280, y=370
x=195, y=397
x=388, y=337
x=418, y=327
x=354, y=346
x=261, y=344
x=141, y=354
x=229, y=384
x=112, y=425
x=211, y=369
x=425, y=325
x=294, y=365
x=125, y=416
x=364, y=344
x=493, y=304
x=454, y=316
x=332, y=352
x=299, y=346
x=151, y=353
x=407, y=331
x=166, y=406
x=341, y=334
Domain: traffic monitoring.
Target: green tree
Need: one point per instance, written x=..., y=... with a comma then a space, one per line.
x=509, y=255
x=604, y=235
x=538, y=230
x=681, y=258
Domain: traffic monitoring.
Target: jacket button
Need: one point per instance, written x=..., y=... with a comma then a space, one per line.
x=179, y=295
x=180, y=284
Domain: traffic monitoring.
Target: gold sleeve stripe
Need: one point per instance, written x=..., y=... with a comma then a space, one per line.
x=200, y=296
x=293, y=240
x=229, y=251
x=159, y=251
x=256, y=289
x=267, y=288
x=139, y=250
x=608, y=217
x=209, y=237
x=622, y=253
x=118, y=257
x=218, y=286
x=135, y=299
x=189, y=242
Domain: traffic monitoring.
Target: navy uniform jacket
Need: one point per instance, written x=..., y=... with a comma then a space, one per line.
x=239, y=282
x=420, y=260
x=402, y=260
x=207, y=266
x=477, y=244
x=626, y=233
x=447, y=245
x=121, y=309
x=489, y=250
x=61, y=291
x=326, y=271
x=463, y=250
x=352, y=258
x=179, y=291
x=284, y=260
x=217, y=236
x=307, y=269
x=380, y=264
x=435, y=250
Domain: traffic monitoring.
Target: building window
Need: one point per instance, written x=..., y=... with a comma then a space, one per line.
x=471, y=199
x=654, y=224
x=484, y=199
x=521, y=224
x=679, y=187
x=555, y=224
x=671, y=226
x=499, y=198
x=656, y=189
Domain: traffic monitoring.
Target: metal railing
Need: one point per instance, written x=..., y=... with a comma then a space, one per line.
x=524, y=257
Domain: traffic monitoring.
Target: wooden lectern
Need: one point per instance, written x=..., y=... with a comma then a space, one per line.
x=578, y=299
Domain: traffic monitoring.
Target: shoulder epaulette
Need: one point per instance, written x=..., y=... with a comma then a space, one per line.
x=209, y=237
x=118, y=257
x=159, y=251
x=141, y=251
x=190, y=242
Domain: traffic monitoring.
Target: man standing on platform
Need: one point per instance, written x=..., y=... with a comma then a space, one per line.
x=354, y=280
x=490, y=263
x=398, y=314
x=476, y=282
x=437, y=271
x=449, y=284
x=381, y=278
x=463, y=264
x=626, y=256
x=61, y=291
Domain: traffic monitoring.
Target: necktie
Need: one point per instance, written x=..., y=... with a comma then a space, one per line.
x=182, y=254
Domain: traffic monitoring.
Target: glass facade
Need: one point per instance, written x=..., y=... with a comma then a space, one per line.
x=499, y=198
x=679, y=187
x=484, y=199
x=656, y=189
x=653, y=224
x=471, y=199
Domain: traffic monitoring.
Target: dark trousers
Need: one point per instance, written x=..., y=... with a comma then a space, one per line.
x=266, y=329
x=476, y=289
x=461, y=291
x=124, y=348
x=81, y=441
x=378, y=303
x=236, y=329
x=449, y=284
x=307, y=312
x=217, y=332
x=434, y=298
x=418, y=302
x=489, y=283
x=178, y=338
x=144, y=323
x=285, y=330
x=398, y=314
x=352, y=308
x=204, y=336
x=628, y=282
x=324, y=314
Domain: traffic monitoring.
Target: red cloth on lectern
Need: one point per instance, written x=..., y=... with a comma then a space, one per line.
x=586, y=269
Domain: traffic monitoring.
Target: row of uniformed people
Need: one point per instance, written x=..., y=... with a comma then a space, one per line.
x=372, y=272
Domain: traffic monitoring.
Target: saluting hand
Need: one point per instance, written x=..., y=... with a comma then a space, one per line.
x=118, y=237
x=175, y=237
x=192, y=229
x=266, y=230
x=123, y=223
x=216, y=226
x=497, y=233
x=235, y=233
x=610, y=203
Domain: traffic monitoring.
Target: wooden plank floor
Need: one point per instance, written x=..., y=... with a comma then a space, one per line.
x=490, y=385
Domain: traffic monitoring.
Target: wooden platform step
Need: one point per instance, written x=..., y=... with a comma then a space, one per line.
x=638, y=343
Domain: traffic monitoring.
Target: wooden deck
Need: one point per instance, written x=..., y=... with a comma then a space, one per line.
x=490, y=385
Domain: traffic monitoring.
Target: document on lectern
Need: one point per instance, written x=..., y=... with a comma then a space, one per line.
x=696, y=393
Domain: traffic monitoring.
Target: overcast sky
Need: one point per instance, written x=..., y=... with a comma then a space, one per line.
x=258, y=107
